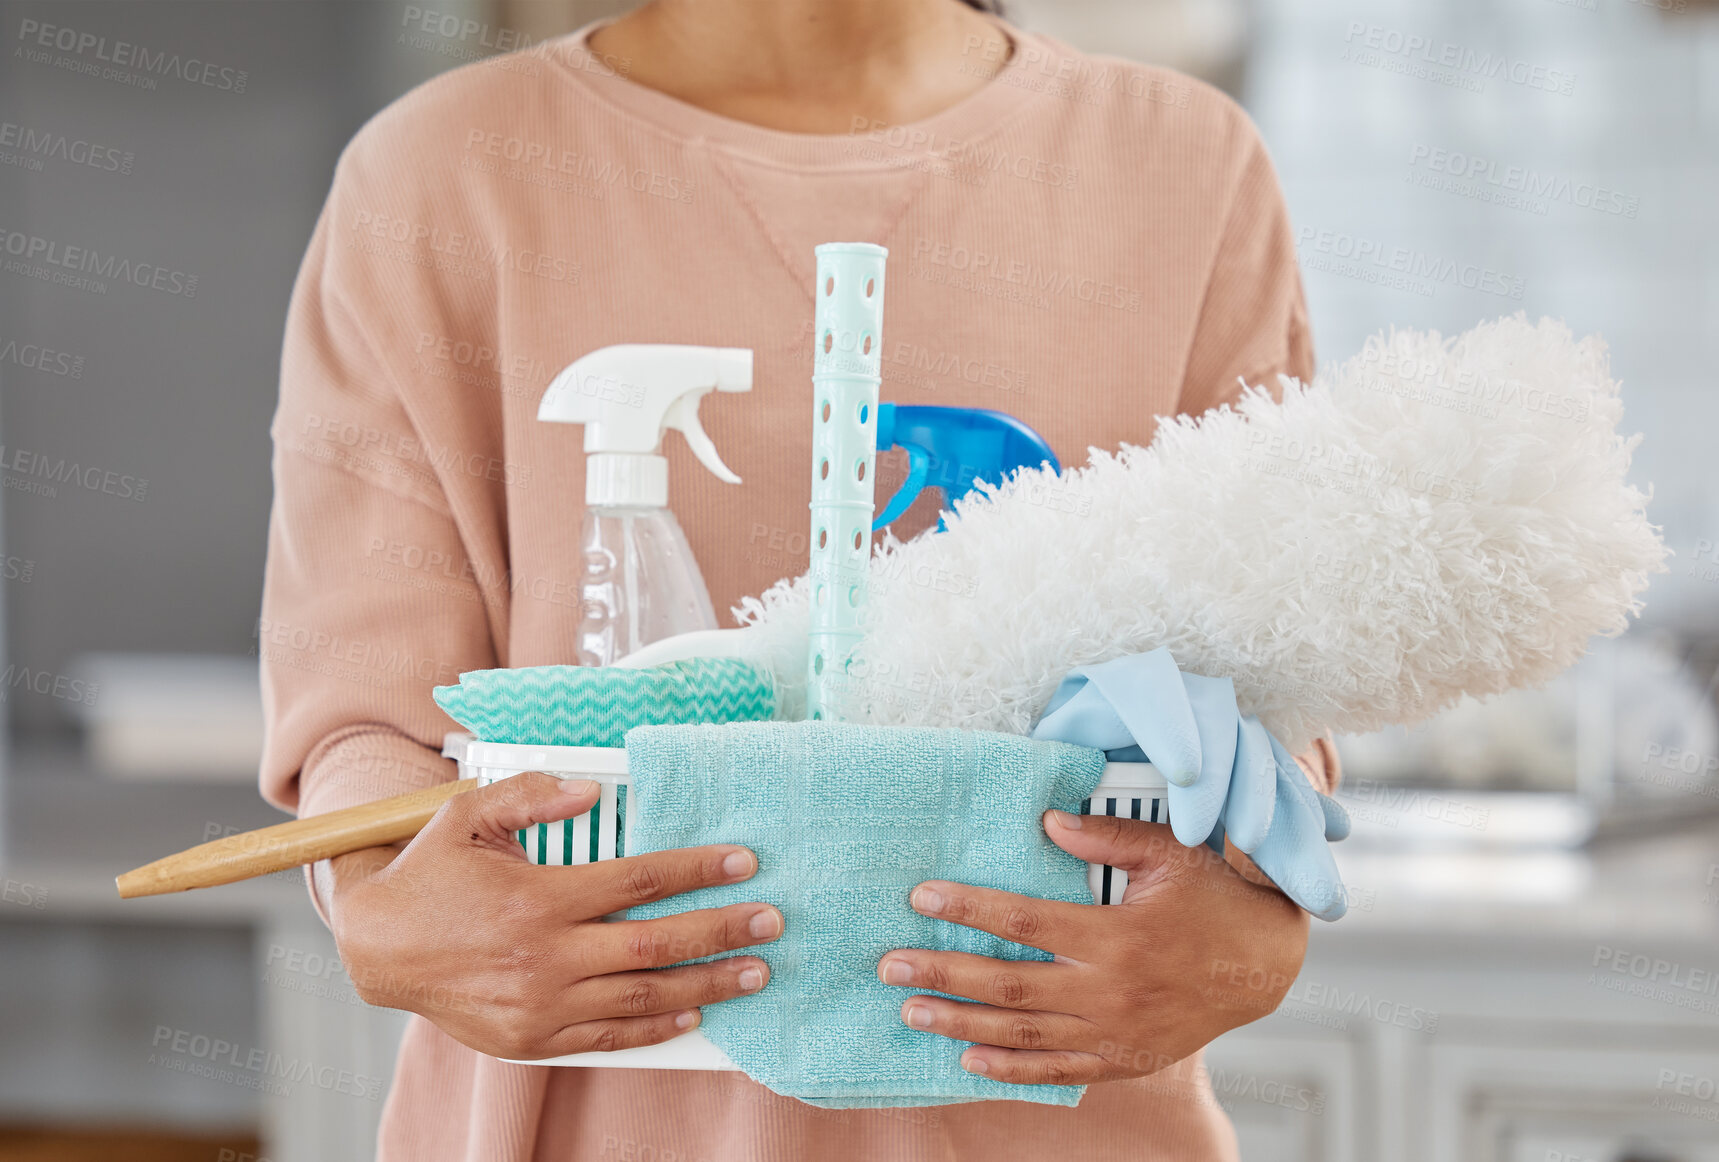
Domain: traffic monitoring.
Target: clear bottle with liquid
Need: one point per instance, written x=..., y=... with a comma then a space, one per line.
x=639, y=582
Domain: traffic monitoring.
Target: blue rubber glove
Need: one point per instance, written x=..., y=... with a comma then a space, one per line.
x=1227, y=775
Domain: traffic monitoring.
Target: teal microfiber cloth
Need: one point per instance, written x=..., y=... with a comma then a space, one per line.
x=597, y=705
x=846, y=821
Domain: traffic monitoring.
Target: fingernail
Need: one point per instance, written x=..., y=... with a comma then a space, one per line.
x=686, y=1020
x=898, y=972
x=919, y=1017
x=752, y=979
x=764, y=924
x=976, y=1065
x=737, y=863
x=1064, y=819
x=573, y=788
x=928, y=900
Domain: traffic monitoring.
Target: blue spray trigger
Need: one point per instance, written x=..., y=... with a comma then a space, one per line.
x=918, y=472
x=954, y=449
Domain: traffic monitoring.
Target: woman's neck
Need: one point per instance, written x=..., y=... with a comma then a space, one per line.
x=809, y=66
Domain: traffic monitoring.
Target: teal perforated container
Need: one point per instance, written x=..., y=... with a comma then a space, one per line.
x=847, y=370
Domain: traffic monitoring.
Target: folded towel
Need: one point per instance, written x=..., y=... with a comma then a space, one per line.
x=846, y=821
x=597, y=705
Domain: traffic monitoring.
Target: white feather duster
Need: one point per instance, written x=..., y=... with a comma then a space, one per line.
x=1432, y=518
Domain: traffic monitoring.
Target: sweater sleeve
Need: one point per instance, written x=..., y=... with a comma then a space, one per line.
x=369, y=599
x=1253, y=320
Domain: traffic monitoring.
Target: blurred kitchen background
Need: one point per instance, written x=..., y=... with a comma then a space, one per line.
x=1528, y=972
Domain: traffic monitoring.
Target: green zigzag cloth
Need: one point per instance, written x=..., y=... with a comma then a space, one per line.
x=597, y=705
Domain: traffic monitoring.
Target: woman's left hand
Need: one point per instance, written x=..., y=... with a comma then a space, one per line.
x=1194, y=949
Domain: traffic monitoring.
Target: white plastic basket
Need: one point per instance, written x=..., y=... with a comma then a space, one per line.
x=1129, y=790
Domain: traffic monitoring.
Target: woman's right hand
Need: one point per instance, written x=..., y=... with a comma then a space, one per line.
x=514, y=959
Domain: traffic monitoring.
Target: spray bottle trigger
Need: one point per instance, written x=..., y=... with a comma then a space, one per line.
x=683, y=416
x=918, y=468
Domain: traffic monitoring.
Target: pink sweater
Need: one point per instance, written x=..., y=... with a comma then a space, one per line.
x=1084, y=243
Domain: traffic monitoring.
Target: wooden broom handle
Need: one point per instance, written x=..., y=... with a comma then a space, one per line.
x=287, y=845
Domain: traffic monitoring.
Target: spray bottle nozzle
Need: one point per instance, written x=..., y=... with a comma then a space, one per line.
x=627, y=396
x=954, y=449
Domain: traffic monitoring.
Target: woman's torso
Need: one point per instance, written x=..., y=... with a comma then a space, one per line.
x=1057, y=245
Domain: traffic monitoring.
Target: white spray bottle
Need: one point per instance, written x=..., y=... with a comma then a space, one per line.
x=639, y=580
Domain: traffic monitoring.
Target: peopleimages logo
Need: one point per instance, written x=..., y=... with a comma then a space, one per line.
x=1412, y=801
x=52, y=261
x=981, y=270
x=37, y=145
x=1656, y=971
x=130, y=63
x=28, y=471
x=1400, y=267
x=1356, y=1003
x=39, y=358
x=460, y=252
x=299, y=645
x=1448, y=63
x=257, y=1068
x=61, y=686
x=537, y=162
x=1482, y=178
